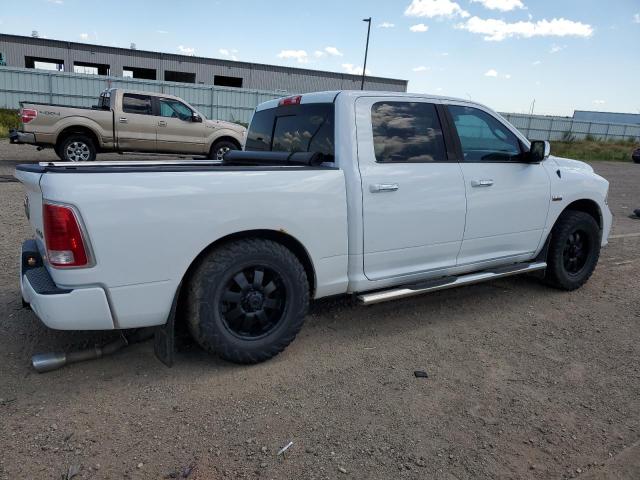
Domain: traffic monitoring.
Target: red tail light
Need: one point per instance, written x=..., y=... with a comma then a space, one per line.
x=65, y=245
x=28, y=114
x=290, y=100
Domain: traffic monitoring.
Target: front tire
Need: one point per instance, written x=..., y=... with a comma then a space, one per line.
x=77, y=148
x=221, y=147
x=247, y=300
x=574, y=250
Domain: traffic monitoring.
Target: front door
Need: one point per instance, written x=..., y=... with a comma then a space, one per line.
x=136, y=126
x=507, y=198
x=177, y=132
x=413, y=196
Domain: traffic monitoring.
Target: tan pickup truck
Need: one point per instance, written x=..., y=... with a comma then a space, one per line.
x=126, y=121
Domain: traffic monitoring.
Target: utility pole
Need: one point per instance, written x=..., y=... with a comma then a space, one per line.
x=366, y=51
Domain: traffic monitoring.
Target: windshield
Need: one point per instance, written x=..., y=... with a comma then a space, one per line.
x=293, y=128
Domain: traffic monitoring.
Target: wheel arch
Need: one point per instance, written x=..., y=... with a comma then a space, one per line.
x=587, y=206
x=283, y=238
x=227, y=138
x=77, y=129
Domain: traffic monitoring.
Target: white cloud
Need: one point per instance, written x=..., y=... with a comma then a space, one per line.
x=57, y=2
x=421, y=68
x=300, y=55
x=162, y=32
x=333, y=51
x=491, y=73
x=497, y=30
x=228, y=53
x=502, y=5
x=354, y=69
x=445, y=54
x=319, y=54
x=636, y=18
x=537, y=62
x=507, y=76
x=186, y=50
x=84, y=36
x=435, y=8
x=599, y=102
x=420, y=27
x=386, y=25
x=557, y=48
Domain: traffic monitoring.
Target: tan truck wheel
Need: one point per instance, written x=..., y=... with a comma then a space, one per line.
x=78, y=148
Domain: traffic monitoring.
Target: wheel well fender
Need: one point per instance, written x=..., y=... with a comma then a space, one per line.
x=77, y=129
x=587, y=206
x=288, y=241
x=226, y=138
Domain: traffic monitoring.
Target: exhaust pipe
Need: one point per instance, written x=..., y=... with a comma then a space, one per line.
x=47, y=362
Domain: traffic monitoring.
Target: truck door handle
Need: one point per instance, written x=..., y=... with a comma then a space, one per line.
x=481, y=183
x=123, y=120
x=162, y=123
x=383, y=187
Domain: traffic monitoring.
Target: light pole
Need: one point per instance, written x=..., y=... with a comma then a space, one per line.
x=366, y=51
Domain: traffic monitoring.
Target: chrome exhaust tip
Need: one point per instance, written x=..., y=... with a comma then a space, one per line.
x=46, y=362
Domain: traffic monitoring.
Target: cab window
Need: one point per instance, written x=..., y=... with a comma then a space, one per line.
x=134, y=103
x=483, y=137
x=407, y=132
x=174, y=109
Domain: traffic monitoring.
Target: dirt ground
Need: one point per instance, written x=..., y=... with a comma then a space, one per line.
x=523, y=382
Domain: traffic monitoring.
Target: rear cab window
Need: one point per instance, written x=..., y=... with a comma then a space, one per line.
x=306, y=127
x=135, y=103
x=407, y=132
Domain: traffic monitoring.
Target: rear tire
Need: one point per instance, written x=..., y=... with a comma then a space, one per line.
x=221, y=147
x=574, y=250
x=77, y=148
x=247, y=300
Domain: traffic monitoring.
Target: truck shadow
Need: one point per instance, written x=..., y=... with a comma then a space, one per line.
x=340, y=317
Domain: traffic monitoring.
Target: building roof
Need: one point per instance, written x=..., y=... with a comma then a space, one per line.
x=182, y=58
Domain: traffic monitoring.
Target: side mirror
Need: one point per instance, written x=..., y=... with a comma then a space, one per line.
x=195, y=118
x=539, y=151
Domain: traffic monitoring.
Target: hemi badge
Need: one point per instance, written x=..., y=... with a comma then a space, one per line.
x=556, y=198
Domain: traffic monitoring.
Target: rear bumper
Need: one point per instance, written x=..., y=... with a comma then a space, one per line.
x=61, y=308
x=16, y=136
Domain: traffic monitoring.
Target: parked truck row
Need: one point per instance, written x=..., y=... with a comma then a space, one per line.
x=126, y=121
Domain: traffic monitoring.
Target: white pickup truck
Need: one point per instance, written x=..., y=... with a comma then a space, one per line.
x=380, y=195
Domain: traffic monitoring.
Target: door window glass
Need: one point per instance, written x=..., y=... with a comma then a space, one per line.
x=174, y=109
x=483, y=137
x=407, y=132
x=133, y=103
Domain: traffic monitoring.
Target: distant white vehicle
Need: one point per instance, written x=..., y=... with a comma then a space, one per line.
x=388, y=195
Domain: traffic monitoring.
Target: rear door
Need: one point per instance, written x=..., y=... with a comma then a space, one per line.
x=507, y=198
x=176, y=130
x=413, y=196
x=135, y=123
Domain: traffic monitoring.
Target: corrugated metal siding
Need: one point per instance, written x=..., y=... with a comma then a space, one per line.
x=254, y=76
x=82, y=90
x=539, y=127
x=607, y=117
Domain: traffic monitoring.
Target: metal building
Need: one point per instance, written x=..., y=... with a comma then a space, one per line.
x=32, y=52
x=607, y=117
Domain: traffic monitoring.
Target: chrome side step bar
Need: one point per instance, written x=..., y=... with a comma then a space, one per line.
x=449, y=282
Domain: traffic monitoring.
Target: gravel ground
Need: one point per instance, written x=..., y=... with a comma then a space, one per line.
x=524, y=382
